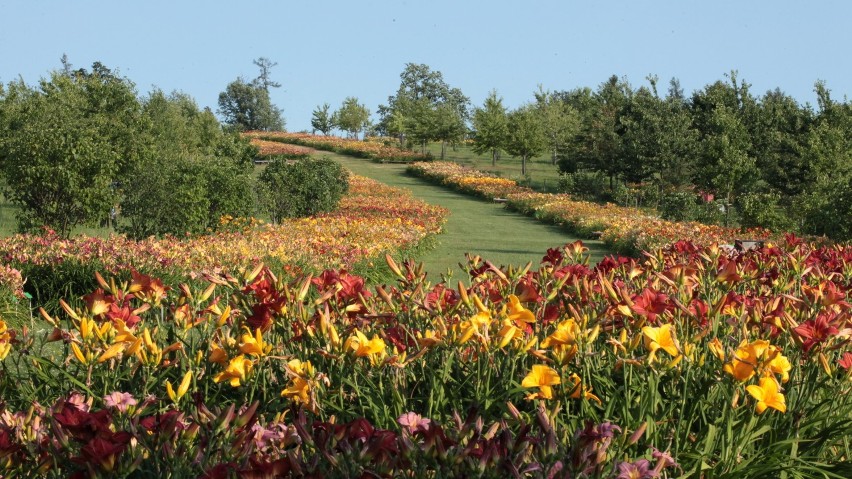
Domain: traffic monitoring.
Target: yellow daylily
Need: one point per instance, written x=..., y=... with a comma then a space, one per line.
x=83, y=358
x=112, y=352
x=217, y=354
x=236, y=372
x=767, y=395
x=656, y=338
x=541, y=377
x=254, y=345
x=182, y=388
x=362, y=347
x=776, y=363
x=300, y=387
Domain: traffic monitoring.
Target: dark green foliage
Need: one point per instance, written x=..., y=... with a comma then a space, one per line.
x=194, y=176
x=688, y=206
x=63, y=143
x=762, y=210
x=299, y=188
x=246, y=106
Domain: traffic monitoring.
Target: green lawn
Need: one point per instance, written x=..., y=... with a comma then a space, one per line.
x=474, y=226
x=542, y=174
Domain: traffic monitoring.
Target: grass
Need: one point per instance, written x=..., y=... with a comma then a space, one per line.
x=474, y=226
x=542, y=174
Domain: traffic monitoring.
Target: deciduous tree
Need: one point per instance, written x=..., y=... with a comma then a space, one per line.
x=491, y=127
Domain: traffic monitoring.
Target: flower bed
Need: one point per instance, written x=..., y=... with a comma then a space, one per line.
x=277, y=148
x=378, y=152
x=691, y=362
x=373, y=219
x=626, y=230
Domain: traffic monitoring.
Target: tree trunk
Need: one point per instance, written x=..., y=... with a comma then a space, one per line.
x=553, y=157
x=443, y=149
x=524, y=165
x=494, y=157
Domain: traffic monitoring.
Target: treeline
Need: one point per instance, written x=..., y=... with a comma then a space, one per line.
x=719, y=155
x=83, y=148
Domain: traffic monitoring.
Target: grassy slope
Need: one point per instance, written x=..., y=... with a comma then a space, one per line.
x=474, y=226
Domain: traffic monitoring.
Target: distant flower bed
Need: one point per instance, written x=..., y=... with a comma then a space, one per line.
x=376, y=151
x=691, y=362
x=468, y=180
x=274, y=148
x=373, y=219
x=627, y=230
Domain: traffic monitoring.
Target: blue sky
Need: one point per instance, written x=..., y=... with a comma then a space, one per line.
x=328, y=50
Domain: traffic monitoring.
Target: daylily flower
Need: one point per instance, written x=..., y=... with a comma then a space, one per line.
x=541, y=377
x=300, y=387
x=254, y=345
x=362, y=347
x=746, y=359
x=182, y=388
x=579, y=390
x=121, y=401
x=777, y=363
x=767, y=395
x=217, y=354
x=656, y=338
x=236, y=372
x=518, y=313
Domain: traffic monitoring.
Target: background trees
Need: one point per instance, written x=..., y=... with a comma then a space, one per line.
x=352, y=117
x=321, y=120
x=526, y=135
x=424, y=108
x=491, y=127
x=246, y=105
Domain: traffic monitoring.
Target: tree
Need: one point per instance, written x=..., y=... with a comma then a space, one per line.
x=196, y=173
x=321, y=120
x=526, y=135
x=64, y=144
x=447, y=126
x=352, y=117
x=263, y=80
x=491, y=127
x=246, y=106
x=659, y=140
x=412, y=111
x=302, y=188
x=727, y=167
x=560, y=122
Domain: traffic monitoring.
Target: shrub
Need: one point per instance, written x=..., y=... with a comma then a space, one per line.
x=687, y=206
x=762, y=210
x=305, y=187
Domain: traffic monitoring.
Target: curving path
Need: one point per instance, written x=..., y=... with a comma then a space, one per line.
x=475, y=226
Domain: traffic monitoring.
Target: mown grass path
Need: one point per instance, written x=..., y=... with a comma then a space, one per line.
x=474, y=226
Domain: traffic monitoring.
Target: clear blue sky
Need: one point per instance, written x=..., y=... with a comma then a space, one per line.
x=328, y=50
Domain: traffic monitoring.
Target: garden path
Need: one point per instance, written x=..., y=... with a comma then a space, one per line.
x=475, y=226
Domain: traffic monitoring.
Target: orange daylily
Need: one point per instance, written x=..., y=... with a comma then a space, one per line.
x=767, y=395
x=746, y=359
x=518, y=313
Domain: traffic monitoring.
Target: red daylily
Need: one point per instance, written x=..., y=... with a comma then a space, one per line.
x=650, y=303
x=815, y=332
